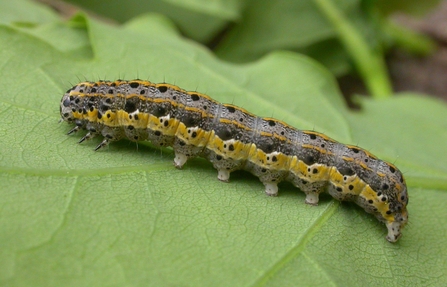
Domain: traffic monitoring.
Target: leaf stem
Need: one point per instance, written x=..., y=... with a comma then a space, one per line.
x=411, y=41
x=370, y=63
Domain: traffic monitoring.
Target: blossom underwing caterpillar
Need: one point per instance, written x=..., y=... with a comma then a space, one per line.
x=231, y=138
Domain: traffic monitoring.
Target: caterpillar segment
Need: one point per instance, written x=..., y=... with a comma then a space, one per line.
x=232, y=138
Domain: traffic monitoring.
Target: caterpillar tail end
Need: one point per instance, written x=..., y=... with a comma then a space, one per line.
x=393, y=231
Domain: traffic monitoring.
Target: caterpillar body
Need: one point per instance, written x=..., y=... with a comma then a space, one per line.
x=231, y=138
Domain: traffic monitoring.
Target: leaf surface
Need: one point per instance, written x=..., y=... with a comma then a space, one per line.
x=125, y=216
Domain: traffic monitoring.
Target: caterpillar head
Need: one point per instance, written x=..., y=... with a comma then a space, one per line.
x=386, y=197
x=395, y=198
x=390, y=199
x=66, y=108
x=72, y=101
x=397, y=215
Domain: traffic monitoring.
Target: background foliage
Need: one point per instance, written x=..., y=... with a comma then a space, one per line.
x=126, y=217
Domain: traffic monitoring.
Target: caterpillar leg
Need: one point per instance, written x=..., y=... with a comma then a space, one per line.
x=88, y=136
x=110, y=134
x=74, y=130
x=92, y=129
x=80, y=124
x=271, y=188
x=184, y=151
x=180, y=160
x=313, y=190
x=312, y=198
x=103, y=144
x=224, y=166
x=223, y=175
x=270, y=177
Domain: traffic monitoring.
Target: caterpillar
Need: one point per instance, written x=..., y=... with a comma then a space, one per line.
x=231, y=138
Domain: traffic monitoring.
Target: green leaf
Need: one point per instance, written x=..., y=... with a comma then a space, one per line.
x=199, y=19
x=25, y=13
x=414, y=7
x=370, y=64
x=125, y=216
x=292, y=25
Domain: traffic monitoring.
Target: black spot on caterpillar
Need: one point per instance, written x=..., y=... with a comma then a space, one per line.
x=231, y=138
